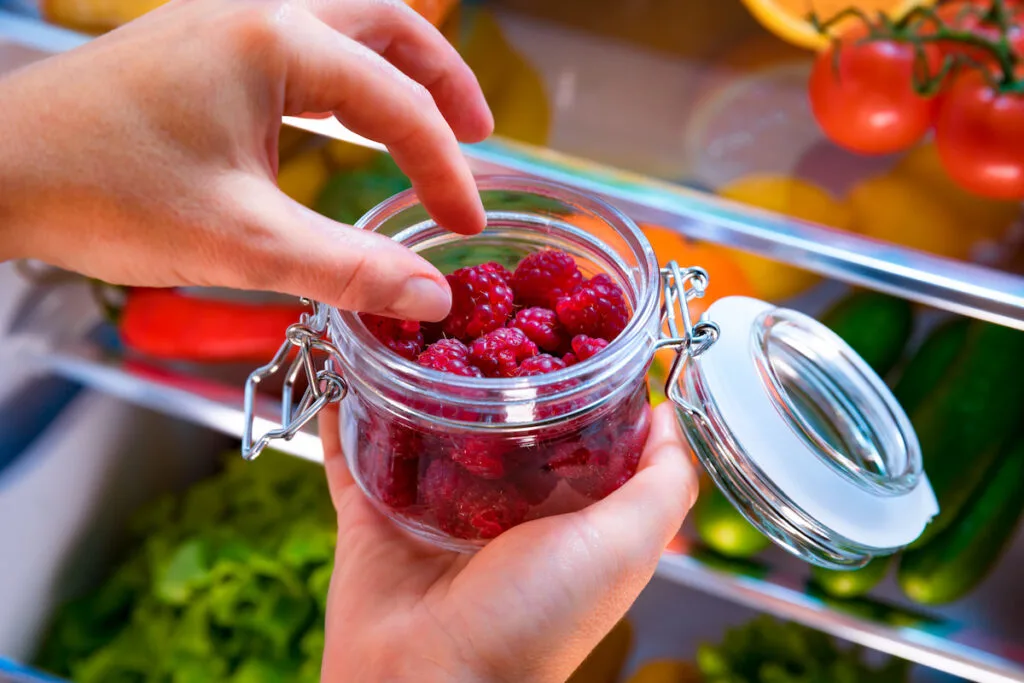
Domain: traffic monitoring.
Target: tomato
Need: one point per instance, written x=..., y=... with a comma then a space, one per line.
x=979, y=135
x=969, y=16
x=865, y=101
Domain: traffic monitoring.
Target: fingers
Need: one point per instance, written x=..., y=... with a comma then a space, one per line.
x=330, y=72
x=411, y=43
x=339, y=479
x=637, y=521
x=292, y=250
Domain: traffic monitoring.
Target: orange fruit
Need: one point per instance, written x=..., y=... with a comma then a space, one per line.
x=725, y=278
x=788, y=19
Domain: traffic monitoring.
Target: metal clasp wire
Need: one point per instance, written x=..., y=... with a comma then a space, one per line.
x=323, y=386
x=679, y=286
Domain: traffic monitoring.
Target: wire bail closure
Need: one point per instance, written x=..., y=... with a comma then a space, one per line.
x=323, y=385
x=679, y=286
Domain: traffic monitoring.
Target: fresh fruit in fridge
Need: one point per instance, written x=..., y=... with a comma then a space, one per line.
x=877, y=326
x=953, y=563
x=968, y=417
x=983, y=217
x=513, y=88
x=851, y=584
x=979, y=134
x=544, y=277
x=723, y=528
x=931, y=362
x=789, y=19
x=303, y=176
x=863, y=93
x=793, y=197
x=171, y=325
x=481, y=302
x=542, y=327
x=900, y=211
x=596, y=308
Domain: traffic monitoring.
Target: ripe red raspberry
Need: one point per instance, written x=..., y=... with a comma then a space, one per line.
x=468, y=507
x=596, y=308
x=499, y=353
x=481, y=302
x=542, y=327
x=498, y=269
x=391, y=479
x=543, y=277
x=404, y=337
x=448, y=355
x=385, y=433
x=481, y=456
x=540, y=365
x=586, y=347
x=570, y=359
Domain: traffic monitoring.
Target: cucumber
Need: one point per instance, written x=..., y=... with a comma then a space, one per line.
x=723, y=528
x=956, y=561
x=877, y=326
x=973, y=410
x=851, y=584
x=931, y=361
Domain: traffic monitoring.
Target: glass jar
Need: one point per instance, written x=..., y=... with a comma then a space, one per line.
x=794, y=428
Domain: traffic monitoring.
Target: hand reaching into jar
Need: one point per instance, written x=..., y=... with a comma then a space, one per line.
x=149, y=156
x=528, y=607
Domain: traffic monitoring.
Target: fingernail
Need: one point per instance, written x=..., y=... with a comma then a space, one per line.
x=422, y=299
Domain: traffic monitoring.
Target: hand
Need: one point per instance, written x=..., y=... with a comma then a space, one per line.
x=528, y=608
x=149, y=156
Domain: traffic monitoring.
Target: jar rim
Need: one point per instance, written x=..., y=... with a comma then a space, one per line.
x=646, y=305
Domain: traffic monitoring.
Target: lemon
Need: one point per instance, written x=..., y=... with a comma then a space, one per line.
x=346, y=155
x=793, y=197
x=901, y=211
x=302, y=176
x=984, y=218
x=789, y=19
x=513, y=89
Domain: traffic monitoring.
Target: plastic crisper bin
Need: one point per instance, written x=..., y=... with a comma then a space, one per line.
x=64, y=501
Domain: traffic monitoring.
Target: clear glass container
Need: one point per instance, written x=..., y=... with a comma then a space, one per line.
x=798, y=432
x=457, y=460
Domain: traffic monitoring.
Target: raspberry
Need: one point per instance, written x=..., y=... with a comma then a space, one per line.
x=390, y=436
x=596, y=308
x=481, y=302
x=570, y=359
x=540, y=365
x=497, y=269
x=388, y=477
x=586, y=347
x=542, y=327
x=542, y=278
x=468, y=507
x=448, y=355
x=401, y=336
x=499, y=353
x=480, y=456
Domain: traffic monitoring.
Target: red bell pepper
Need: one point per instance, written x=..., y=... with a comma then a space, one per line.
x=168, y=324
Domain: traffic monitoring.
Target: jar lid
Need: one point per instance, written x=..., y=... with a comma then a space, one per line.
x=811, y=428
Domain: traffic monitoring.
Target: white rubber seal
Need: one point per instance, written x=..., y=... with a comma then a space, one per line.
x=732, y=378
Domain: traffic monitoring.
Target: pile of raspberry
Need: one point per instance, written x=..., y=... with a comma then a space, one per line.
x=543, y=317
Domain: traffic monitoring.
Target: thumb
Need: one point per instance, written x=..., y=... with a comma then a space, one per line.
x=293, y=250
